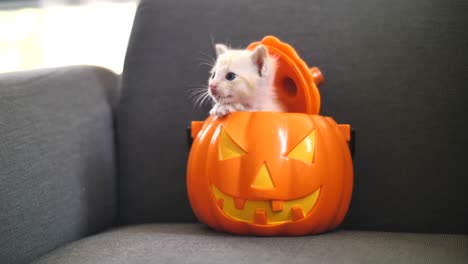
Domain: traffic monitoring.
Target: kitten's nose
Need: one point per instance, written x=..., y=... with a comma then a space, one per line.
x=212, y=88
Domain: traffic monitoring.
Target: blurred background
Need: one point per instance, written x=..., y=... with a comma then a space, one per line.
x=51, y=33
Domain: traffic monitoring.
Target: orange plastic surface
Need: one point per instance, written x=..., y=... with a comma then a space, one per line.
x=267, y=173
x=346, y=130
x=196, y=126
x=296, y=84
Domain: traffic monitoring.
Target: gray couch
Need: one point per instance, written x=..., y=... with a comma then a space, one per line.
x=92, y=167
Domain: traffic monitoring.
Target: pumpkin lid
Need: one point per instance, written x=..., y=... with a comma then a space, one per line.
x=295, y=82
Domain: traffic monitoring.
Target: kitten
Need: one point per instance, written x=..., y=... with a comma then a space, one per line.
x=242, y=80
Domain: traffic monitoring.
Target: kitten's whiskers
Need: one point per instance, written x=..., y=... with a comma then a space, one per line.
x=199, y=95
x=207, y=60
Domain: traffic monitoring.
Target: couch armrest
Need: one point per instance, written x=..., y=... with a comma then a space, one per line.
x=57, y=165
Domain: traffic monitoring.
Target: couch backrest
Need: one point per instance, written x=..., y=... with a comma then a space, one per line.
x=396, y=70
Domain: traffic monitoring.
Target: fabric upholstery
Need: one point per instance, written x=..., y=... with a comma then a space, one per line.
x=395, y=70
x=57, y=158
x=192, y=243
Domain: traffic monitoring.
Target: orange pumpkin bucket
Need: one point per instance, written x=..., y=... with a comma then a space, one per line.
x=266, y=173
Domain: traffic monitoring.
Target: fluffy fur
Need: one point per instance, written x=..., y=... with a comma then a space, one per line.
x=242, y=80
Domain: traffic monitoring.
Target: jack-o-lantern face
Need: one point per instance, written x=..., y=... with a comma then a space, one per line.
x=270, y=174
x=277, y=208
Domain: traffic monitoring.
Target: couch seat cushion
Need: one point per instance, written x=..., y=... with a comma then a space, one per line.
x=194, y=243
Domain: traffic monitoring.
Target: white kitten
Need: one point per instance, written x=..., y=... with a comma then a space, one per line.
x=242, y=80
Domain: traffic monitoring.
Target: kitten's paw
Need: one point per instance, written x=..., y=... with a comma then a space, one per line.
x=221, y=110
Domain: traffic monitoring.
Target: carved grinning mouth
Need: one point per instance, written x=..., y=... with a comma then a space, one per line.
x=265, y=212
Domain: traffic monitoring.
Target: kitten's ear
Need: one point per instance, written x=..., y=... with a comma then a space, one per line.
x=220, y=49
x=260, y=58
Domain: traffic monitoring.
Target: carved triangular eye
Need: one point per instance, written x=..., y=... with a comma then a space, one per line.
x=305, y=150
x=228, y=148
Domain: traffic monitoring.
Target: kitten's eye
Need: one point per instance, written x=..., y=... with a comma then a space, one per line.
x=230, y=76
x=213, y=75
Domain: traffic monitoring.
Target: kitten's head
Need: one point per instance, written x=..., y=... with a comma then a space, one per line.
x=238, y=74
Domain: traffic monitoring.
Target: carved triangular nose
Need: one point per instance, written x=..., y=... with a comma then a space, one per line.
x=263, y=179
